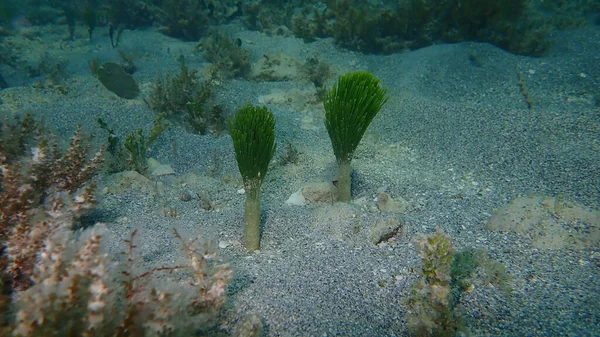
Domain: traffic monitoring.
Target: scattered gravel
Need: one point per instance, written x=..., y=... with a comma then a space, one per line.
x=456, y=140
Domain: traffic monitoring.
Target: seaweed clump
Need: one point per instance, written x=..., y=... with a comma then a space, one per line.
x=226, y=54
x=187, y=20
x=131, y=13
x=318, y=73
x=187, y=101
x=270, y=16
x=184, y=19
x=18, y=135
x=37, y=178
x=445, y=276
x=51, y=73
x=571, y=14
x=131, y=153
x=409, y=24
x=56, y=281
x=252, y=131
x=419, y=23
x=430, y=310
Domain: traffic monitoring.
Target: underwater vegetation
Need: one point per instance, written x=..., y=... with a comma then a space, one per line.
x=56, y=281
x=414, y=24
x=252, y=131
x=184, y=19
x=571, y=13
x=226, y=54
x=350, y=107
x=187, y=101
x=50, y=274
x=445, y=275
x=431, y=314
x=520, y=26
x=51, y=178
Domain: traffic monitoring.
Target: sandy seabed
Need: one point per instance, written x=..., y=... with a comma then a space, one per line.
x=457, y=143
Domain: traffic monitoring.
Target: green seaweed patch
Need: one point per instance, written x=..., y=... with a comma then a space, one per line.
x=226, y=53
x=463, y=266
x=130, y=154
x=474, y=266
x=137, y=143
x=445, y=276
x=186, y=100
x=430, y=313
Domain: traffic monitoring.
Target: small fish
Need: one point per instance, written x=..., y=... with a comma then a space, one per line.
x=111, y=33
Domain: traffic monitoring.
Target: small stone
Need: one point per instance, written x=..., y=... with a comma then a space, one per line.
x=152, y=164
x=323, y=191
x=385, y=203
x=296, y=199
x=162, y=170
x=185, y=196
x=383, y=230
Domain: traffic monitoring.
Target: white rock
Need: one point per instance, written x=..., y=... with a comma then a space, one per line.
x=385, y=203
x=155, y=168
x=321, y=191
x=152, y=164
x=162, y=170
x=296, y=199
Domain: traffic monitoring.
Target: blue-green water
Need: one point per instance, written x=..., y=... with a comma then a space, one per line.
x=474, y=200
